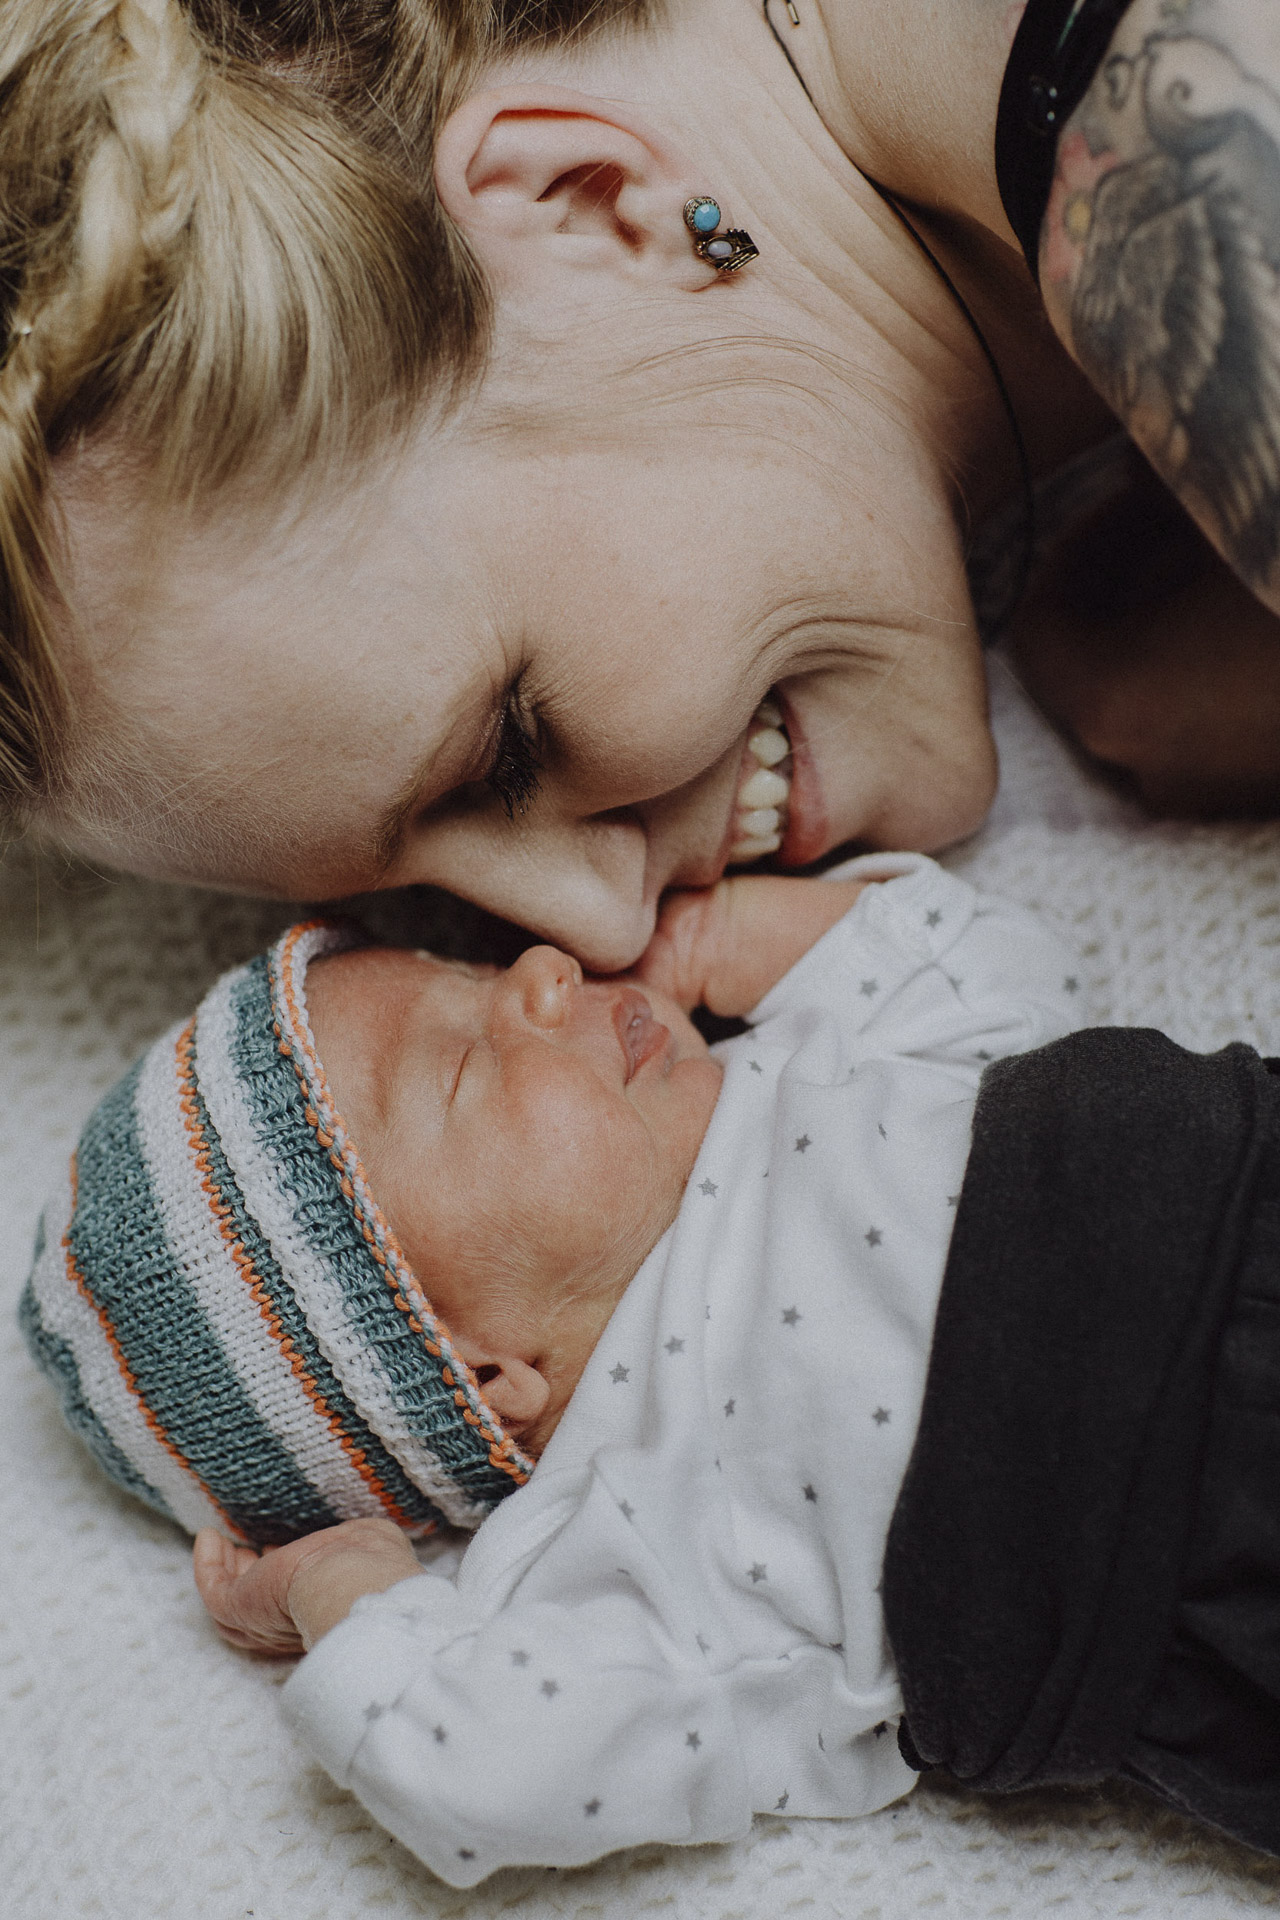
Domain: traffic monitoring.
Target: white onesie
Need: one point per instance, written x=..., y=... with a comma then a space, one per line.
x=676, y=1623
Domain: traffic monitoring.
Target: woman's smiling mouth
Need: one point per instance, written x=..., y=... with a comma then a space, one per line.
x=764, y=788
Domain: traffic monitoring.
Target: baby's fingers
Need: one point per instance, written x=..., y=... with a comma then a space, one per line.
x=675, y=960
x=246, y=1593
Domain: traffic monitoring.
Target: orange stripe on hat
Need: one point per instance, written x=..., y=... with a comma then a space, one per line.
x=253, y=1280
x=158, y=1433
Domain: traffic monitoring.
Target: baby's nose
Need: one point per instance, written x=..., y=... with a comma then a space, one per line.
x=542, y=984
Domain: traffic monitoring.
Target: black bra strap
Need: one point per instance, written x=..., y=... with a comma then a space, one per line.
x=1057, y=50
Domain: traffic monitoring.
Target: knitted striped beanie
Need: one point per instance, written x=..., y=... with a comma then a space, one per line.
x=224, y=1311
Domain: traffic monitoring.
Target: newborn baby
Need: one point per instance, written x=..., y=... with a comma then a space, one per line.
x=374, y=1235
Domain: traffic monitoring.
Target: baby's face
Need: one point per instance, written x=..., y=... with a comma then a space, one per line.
x=528, y=1134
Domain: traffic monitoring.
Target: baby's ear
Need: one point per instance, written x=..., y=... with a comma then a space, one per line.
x=517, y=1392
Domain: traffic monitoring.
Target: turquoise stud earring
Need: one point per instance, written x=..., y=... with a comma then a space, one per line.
x=725, y=251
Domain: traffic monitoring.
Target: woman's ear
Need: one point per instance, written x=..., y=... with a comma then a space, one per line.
x=545, y=180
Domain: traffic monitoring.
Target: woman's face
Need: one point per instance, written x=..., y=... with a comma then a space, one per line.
x=336, y=703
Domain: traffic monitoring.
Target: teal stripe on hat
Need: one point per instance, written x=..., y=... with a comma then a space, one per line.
x=178, y=1363
x=58, y=1364
x=413, y=1504
x=306, y=1174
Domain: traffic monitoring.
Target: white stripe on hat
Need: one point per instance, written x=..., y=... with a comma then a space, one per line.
x=318, y=1288
x=204, y=1258
x=67, y=1313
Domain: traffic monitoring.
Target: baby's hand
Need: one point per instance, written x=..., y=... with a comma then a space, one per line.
x=282, y=1600
x=723, y=947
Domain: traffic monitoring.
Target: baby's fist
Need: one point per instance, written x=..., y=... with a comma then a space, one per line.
x=282, y=1600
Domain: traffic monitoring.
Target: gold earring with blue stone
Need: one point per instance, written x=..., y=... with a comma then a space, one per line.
x=727, y=251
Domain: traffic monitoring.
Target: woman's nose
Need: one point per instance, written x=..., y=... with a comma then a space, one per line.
x=540, y=987
x=578, y=883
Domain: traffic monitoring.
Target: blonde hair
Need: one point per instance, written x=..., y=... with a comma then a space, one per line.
x=219, y=238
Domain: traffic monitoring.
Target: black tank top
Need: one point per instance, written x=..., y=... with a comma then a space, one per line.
x=1057, y=50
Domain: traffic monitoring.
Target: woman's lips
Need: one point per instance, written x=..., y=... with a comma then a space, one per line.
x=641, y=1035
x=808, y=830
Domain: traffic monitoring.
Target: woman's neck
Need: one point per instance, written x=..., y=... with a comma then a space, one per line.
x=912, y=102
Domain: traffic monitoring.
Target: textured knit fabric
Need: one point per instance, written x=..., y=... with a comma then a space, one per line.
x=1120, y=1194
x=1057, y=50
x=229, y=1321
x=679, y=1615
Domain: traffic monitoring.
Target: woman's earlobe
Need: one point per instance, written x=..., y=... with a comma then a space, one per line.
x=544, y=179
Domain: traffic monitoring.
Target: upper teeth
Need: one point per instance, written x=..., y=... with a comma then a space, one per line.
x=762, y=798
x=764, y=789
x=769, y=746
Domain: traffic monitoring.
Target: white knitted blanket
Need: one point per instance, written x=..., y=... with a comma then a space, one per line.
x=143, y=1767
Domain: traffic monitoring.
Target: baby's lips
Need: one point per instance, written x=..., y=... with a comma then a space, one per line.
x=641, y=1035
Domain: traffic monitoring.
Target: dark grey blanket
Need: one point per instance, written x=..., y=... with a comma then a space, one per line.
x=1121, y=1209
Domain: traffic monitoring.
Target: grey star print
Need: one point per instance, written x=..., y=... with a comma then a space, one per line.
x=626, y=1509
x=440, y=1735
x=728, y=1409
x=792, y=1317
x=933, y=918
x=779, y=1805
x=755, y=1066
x=693, y=1739
x=870, y=987
x=873, y=1236
x=881, y=1416
x=803, y=1143
x=592, y=1807
x=708, y=1187
x=551, y=1688
x=619, y=1374
x=809, y=1493
x=704, y=1646
x=519, y=1658
x=374, y=1711
x=1071, y=984
x=465, y=1853
x=759, y=1571
x=674, y=1345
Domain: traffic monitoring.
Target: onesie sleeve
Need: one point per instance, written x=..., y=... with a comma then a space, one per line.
x=546, y=1735
x=925, y=965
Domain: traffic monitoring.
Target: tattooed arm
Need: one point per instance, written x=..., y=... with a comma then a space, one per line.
x=1160, y=258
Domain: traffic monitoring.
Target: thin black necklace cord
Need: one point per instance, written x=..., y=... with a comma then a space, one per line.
x=1028, y=543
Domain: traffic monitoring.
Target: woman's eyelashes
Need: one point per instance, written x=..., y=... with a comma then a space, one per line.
x=513, y=773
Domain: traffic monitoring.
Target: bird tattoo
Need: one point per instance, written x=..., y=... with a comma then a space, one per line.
x=1176, y=310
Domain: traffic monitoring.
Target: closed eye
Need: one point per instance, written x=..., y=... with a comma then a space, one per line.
x=465, y=1055
x=514, y=770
